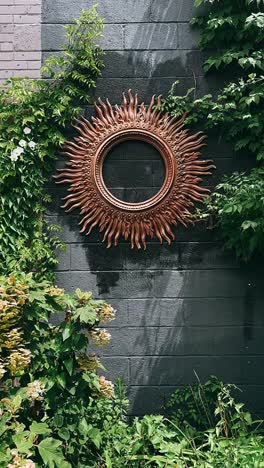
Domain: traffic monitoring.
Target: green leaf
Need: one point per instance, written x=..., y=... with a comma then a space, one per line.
x=39, y=428
x=86, y=314
x=50, y=452
x=68, y=364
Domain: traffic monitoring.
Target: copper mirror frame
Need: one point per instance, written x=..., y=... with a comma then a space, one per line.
x=134, y=221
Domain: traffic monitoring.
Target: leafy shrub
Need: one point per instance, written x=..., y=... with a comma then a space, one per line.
x=52, y=402
x=237, y=207
x=219, y=433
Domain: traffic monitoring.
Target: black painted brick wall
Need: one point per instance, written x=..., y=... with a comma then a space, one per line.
x=181, y=308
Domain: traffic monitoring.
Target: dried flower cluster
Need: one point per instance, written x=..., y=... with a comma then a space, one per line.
x=100, y=336
x=106, y=387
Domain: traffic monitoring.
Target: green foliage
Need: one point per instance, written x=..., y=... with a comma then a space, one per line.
x=237, y=207
x=53, y=405
x=233, y=34
x=34, y=115
x=227, y=436
x=194, y=406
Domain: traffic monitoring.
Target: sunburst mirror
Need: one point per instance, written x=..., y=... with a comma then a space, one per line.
x=133, y=221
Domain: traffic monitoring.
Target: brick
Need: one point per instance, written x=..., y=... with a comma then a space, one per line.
x=175, y=370
x=100, y=283
x=53, y=37
x=27, y=56
x=12, y=65
x=34, y=9
x=113, y=87
x=115, y=368
x=148, y=400
x=6, y=46
x=5, y=9
x=27, y=73
x=27, y=37
x=27, y=2
x=186, y=62
x=34, y=65
x=188, y=36
x=156, y=312
x=222, y=311
x=118, y=11
x=127, y=64
x=64, y=259
x=151, y=36
x=140, y=341
x=6, y=29
x=167, y=10
x=6, y=37
x=24, y=19
x=121, y=315
x=6, y=56
x=184, y=341
x=202, y=283
x=139, y=284
x=194, y=255
x=92, y=257
x=6, y=19
x=4, y=74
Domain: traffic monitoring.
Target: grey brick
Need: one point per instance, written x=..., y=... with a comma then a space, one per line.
x=71, y=229
x=127, y=63
x=204, y=256
x=148, y=400
x=92, y=257
x=171, y=10
x=236, y=311
x=140, y=341
x=211, y=283
x=156, y=256
x=175, y=370
x=64, y=259
x=184, y=62
x=121, y=313
x=156, y=312
x=139, y=284
x=115, y=368
x=252, y=396
x=151, y=36
x=53, y=37
x=188, y=36
x=117, y=11
x=113, y=88
x=101, y=283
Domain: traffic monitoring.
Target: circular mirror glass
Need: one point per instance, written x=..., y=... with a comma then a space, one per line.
x=133, y=171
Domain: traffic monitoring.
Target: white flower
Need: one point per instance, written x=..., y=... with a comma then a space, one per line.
x=32, y=144
x=22, y=143
x=14, y=157
x=27, y=130
x=16, y=153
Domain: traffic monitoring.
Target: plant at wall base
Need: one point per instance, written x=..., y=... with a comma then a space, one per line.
x=53, y=405
x=235, y=31
x=33, y=124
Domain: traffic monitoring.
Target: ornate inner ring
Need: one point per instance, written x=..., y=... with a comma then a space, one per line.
x=147, y=137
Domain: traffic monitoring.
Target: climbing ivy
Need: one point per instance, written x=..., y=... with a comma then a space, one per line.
x=34, y=115
x=232, y=33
